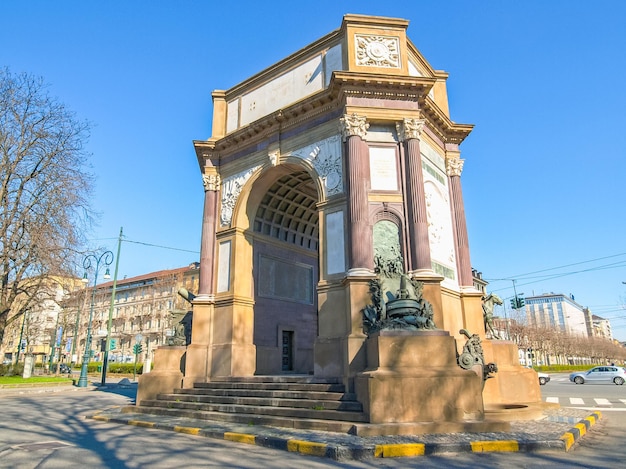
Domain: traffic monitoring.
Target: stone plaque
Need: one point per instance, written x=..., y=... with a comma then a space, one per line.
x=335, y=249
x=285, y=280
x=223, y=268
x=383, y=169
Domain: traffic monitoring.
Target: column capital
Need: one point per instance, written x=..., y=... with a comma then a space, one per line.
x=454, y=166
x=211, y=182
x=410, y=128
x=353, y=125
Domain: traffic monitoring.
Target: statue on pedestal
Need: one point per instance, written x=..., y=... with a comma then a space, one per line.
x=397, y=302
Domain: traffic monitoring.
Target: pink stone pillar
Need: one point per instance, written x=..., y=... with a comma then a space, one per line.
x=419, y=246
x=354, y=129
x=454, y=166
x=208, y=241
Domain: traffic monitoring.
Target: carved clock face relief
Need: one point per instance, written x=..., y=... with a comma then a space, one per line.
x=377, y=51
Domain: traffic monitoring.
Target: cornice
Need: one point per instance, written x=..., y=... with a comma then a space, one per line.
x=440, y=123
x=343, y=86
x=204, y=151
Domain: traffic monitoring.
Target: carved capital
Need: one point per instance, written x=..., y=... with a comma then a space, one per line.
x=410, y=129
x=454, y=166
x=211, y=182
x=353, y=125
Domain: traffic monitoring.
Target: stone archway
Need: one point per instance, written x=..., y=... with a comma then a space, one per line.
x=285, y=272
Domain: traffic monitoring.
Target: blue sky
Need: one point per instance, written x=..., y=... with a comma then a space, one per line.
x=542, y=81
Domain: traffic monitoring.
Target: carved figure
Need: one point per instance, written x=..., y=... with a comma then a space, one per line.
x=181, y=323
x=473, y=357
x=488, y=304
x=397, y=301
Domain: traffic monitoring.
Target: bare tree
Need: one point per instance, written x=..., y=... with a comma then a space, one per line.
x=44, y=191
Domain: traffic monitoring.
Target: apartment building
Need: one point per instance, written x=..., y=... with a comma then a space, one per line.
x=143, y=307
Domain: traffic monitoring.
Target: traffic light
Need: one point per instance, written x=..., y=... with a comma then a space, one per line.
x=520, y=302
x=113, y=344
x=514, y=303
x=137, y=349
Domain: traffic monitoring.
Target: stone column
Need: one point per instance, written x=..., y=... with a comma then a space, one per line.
x=207, y=248
x=354, y=129
x=454, y=166
x=409, y=132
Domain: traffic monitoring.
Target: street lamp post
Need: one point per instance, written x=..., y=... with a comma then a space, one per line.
x=107, y=345
x=106, y=258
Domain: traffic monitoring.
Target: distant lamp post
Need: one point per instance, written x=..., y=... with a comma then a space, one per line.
x=105, y=258
x=107, y=344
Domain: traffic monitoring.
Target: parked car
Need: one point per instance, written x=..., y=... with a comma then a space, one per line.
x=600, y=374
x=543, y=378
x=63, y=368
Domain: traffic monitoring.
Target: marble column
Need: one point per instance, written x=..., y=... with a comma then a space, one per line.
x=409, y=131
x=209, y=225
x=454, y=166
x=354, y=129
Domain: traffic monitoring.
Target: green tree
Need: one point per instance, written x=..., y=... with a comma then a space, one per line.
x=45, y=188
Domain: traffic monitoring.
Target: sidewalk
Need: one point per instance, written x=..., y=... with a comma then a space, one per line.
x=93, y=384
x=557, y=431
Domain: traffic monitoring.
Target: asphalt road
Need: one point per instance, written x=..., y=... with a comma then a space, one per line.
x=592, y=396
x=50, y=431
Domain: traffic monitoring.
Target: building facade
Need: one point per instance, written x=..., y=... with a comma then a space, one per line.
x=40, y=329
x=559, y=311
x=602, y=327
x=144, y=305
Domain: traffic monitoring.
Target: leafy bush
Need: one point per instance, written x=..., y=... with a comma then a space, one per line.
x=125, y=368
x=12, y=370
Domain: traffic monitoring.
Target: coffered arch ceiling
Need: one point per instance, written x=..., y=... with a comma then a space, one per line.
x=288, y=211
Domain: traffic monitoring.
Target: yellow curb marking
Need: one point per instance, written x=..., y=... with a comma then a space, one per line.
x=100, y=417
x=582, y=428
x=187, y=430
x=306, y=447
x=488, y=446
x=399, y=450
x=140, y=423
x=240, y=437
x=568, y=438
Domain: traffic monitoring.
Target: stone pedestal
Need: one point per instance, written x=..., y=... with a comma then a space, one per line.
x=513, y=384
x=414, y=377
x=167, y=375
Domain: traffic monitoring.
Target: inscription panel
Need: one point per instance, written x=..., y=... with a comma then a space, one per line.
x=285, y=280
x=383, y=169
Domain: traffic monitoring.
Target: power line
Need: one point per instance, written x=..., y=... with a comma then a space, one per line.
x=158, y=246
x=517, y=277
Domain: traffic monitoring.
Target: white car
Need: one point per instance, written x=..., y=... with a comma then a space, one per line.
x=543, y=378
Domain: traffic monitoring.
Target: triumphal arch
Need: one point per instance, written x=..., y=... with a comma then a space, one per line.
x=334, y=165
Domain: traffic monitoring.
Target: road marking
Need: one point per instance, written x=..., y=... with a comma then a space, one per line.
x=623, y=401
x=576, y=401
x=552, y=400
x=601, y=401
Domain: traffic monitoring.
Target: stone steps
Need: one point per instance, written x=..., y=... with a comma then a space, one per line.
x=318, y=403
x=301, y=402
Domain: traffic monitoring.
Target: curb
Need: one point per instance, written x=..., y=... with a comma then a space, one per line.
x=580, y=429
x=342, y=452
